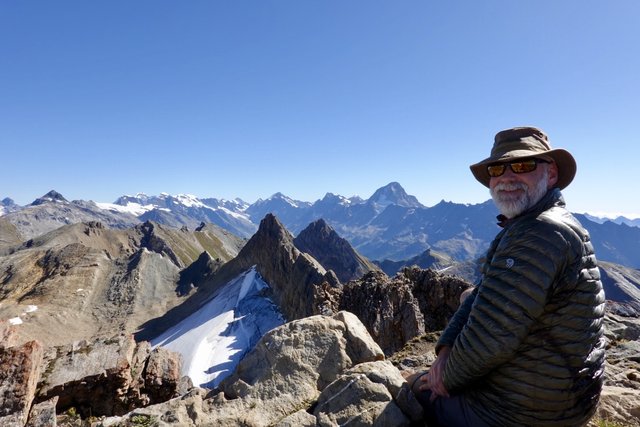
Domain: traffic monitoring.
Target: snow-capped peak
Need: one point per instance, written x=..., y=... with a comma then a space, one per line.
x=392, y=194
x=189, y=201
x=286, y=199
x=51, y=197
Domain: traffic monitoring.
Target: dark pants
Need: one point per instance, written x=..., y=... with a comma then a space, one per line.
x=451, y=411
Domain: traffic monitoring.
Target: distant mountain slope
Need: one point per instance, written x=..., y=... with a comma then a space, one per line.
x=187, y=210
x=427, y=259
x=617, y=243
x=9, y=234
x=631, y=222
x=621, y=287
x=52, y=211
x=84, y=279
x=7, y=205
x=287, y=210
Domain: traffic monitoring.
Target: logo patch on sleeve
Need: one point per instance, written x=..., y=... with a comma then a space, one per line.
x=510, y=262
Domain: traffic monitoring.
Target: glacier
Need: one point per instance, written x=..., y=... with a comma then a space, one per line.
x=214, y=339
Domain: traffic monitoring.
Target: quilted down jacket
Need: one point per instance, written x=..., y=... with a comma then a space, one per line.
x=528, y=344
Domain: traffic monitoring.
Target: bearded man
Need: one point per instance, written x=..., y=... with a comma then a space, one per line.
x=527, y=346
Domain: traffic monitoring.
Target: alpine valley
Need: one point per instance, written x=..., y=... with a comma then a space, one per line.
x=177, y=310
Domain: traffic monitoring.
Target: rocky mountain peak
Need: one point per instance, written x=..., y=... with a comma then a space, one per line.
x=332, y=251
x=197, y=273
x=291, y=274
x=51, y=197
x=271, y=232
x=393, y=194
x=7, y=205
x=151, y=241
x=319, y=227
x=7, y=202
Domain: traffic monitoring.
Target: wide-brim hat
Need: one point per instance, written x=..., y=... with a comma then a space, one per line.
x=526, y=142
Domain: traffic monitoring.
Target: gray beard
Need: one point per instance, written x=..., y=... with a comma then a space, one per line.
x=513, y=208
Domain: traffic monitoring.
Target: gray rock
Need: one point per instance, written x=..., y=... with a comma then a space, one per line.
x=43, y=414
x=298, y=419
x=93, y=376
x=618, y=406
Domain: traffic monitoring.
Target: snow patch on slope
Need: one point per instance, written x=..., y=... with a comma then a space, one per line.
x=214, y=339
x=133, y=208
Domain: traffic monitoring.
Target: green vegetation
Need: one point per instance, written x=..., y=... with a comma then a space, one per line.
x=601, y=422
x=142, y=420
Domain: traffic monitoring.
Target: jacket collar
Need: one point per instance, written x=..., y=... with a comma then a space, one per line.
x=549, y=200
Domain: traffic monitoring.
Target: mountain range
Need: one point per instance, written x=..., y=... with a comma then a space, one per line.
x=213, y=297
x=390, y=226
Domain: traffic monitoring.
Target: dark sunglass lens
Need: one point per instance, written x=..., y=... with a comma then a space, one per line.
x=495, y=170
x=524, y=166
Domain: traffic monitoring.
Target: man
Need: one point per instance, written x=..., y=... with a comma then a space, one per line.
x=527, y=346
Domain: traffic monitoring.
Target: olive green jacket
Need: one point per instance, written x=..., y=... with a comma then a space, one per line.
x=528, y=344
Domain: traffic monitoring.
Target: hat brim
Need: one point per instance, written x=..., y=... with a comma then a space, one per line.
x=563, y=159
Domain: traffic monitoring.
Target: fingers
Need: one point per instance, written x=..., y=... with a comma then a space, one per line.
x=435, y=383
x=424, y=383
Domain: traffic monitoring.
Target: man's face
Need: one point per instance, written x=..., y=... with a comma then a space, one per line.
x=514, y=193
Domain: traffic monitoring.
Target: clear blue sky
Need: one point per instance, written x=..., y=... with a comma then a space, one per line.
x=247, y=98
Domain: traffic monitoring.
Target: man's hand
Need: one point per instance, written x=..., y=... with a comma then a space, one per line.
x=434, y=380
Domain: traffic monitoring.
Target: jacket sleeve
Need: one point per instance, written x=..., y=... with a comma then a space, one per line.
x=457, y=322
x=511, y=296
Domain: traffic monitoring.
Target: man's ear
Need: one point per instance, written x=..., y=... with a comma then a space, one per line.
x=553, y=175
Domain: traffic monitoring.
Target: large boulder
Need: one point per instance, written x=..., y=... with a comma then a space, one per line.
x=19, y=372
x=108, y=377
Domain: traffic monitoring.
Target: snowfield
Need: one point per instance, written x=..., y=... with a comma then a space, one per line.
x=213, y=340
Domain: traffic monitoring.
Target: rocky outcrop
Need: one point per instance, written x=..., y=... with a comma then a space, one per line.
x=19, y=372
x=399, y=309
x=316, y=371
x=108, y=376
x=199, y=272
x=332, y=251
x=219, y=242
x=102, y=377
x=8, y=336
x=620, y=399
x=320, y=370
x=151, y=241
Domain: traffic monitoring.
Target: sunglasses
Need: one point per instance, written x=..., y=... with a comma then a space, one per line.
x=522, y=166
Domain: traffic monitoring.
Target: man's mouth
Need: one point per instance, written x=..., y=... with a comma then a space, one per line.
x=511, y=193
